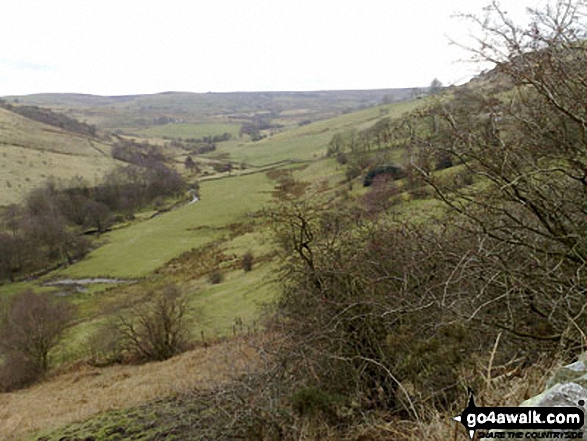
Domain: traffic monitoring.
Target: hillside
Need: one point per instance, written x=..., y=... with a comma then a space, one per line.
x=31, y=152
x=185, y=246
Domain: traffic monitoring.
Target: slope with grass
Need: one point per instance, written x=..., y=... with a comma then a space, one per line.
x=309, y=142
x=140, y=249
x=31, y=152
x=82, y=391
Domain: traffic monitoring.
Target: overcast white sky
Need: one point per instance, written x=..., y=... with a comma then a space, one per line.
x=119, y=47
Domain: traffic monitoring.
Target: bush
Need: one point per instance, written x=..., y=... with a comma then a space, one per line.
x=106, y=346
x=247, y=261
x=313, y=402
x=392, y=171
x=215, y=277
x=359, y=309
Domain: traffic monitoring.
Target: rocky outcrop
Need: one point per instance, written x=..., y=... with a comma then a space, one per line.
x=566, y=387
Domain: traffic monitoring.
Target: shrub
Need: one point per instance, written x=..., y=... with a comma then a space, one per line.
x=247, y=261
x=215, y=277
x=106, y=345
x=313, y=402
x=393, y=171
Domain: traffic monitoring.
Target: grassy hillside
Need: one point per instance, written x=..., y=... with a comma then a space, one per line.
x=140, y=249
x=309, y=142
x=31, y=152
x=86, y=391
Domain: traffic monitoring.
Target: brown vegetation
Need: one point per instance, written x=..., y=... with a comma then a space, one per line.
x=82, y=391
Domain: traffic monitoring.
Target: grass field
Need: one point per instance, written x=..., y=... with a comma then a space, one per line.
x=187, y=131
x=138, y=250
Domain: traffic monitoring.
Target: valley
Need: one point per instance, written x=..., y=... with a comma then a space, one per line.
x=182, y=242
x=352, y=264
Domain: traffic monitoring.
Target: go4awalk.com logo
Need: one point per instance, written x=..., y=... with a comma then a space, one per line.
x=522, y=422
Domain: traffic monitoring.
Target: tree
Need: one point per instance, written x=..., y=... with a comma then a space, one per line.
x=373, y=308
x=96, y=215
x=190, y=164
x=15, y=253
x=378, y=198
x=8, y=256
x=247, y=261
x=31, y=326
x=529, y=148
x=359, y=308
x=156, y=328
x=435, y=86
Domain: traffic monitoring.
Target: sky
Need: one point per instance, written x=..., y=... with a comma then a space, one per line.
x=122, y=47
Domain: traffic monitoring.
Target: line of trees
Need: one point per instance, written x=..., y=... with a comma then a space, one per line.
x=255, y=127
x=196, y=148
x=138, y=153
x=49, y=117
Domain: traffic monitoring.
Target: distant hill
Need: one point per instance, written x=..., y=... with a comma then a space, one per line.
x=53, y=135
x=133, y=113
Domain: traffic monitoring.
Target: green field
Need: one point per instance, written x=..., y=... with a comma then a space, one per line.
x=187, y=131
x=138, y=250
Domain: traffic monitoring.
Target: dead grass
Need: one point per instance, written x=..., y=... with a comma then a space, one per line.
x=509, y=387
x=84, y=391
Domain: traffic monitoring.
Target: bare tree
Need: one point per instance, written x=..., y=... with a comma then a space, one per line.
x=157, y=328
x=383, y=310
x=97, y=215
x=527, y=150
x=32, y=325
